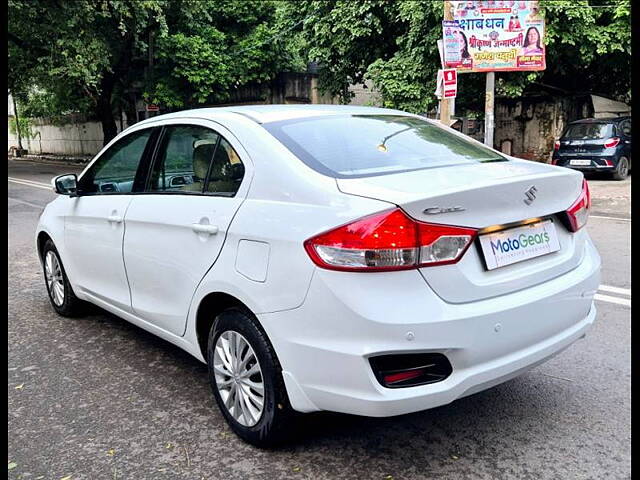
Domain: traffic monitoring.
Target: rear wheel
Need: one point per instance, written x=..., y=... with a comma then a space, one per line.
x=622, y=169
x=61, y=295
x=246, y=380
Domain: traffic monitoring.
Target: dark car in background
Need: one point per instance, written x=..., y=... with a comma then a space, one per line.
x=596, y=145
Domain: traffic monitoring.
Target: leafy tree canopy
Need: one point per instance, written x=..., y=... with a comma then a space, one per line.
x=89, y=55
x=394, y=45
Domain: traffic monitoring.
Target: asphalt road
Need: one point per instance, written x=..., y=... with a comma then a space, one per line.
x=97, y=398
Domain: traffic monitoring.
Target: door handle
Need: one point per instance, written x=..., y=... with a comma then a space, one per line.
x=204, y=228
x=115, y=218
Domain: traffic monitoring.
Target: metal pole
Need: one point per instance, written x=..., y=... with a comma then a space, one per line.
x=488, y=109
x=445, y=111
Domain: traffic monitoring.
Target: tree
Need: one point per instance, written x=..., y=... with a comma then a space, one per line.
x=88, y=55
x=394, y=45
x=81, y=50
x=213, y=47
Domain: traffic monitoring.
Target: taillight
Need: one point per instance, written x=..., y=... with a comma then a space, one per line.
x=388, y=241
x=556, y=145
x=578, y=213
x=612, y=142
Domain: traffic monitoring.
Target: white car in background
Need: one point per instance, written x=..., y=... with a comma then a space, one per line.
x=350, y=259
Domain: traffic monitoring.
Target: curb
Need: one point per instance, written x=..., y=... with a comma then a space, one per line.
x=71, y=161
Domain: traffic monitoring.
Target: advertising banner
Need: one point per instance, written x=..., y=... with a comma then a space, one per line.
x=489, y=36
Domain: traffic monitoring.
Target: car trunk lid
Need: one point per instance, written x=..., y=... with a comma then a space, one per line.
x=483, y=196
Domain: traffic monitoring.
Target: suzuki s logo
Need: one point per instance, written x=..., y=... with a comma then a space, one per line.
x=530, y=194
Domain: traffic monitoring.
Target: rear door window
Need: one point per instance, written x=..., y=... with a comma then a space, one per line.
x=183, y=160
x=195, y=160
x=346, y=146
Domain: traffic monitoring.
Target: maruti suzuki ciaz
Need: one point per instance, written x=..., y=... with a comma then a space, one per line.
x=351, y=259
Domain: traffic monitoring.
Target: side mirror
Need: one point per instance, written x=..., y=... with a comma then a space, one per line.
x=66, y=184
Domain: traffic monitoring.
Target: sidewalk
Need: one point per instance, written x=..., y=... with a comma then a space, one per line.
x=53, y=159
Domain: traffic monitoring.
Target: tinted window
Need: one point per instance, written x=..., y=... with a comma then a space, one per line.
x=115, y=170
x=588, y=131
x=362, y=145
x=226, y=171
x=625, y=127
x=183, y=160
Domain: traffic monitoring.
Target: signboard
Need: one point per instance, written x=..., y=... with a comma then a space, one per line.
x=450, y=82
x=490, y=36
x=447, y=83
x=152, y=108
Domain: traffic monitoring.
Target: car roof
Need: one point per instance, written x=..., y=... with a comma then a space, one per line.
x=600, y=120
x=274, y=113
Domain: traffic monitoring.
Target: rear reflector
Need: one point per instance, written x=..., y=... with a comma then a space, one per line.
x=577, y=214
x=410, y=369
x=612, y=142
x=388, y=241
x=403, y=376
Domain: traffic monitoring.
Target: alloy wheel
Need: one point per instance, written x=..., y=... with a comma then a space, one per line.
x=239, y=378
x=55, y=281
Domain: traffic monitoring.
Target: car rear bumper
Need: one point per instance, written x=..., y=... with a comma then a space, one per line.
x=598, y=162
x=324, y=345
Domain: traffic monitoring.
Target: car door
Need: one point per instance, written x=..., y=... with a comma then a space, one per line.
x=175, y=231
x=94, y=227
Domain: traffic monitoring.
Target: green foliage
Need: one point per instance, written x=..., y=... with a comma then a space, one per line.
x=216, y=48
x=90, y=55
x=394, y=45
x=26, y=127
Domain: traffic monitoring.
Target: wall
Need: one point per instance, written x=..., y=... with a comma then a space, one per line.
x=77, y=137
x=529, y=126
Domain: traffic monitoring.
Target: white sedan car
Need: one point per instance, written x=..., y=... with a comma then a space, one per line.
x=351, y=259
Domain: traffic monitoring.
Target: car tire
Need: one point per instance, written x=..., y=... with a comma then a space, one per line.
x=61, y=295
x=275, y=422
x=622, y=169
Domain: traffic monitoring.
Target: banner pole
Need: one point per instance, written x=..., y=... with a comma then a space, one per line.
x=488, y=108
x=445, y=111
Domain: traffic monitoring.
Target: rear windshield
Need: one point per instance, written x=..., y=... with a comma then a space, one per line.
x=365, y=145
x=588, y=131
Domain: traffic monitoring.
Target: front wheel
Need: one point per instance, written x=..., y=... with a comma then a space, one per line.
x=61, y=295
x=622, y=169
x=246, y=380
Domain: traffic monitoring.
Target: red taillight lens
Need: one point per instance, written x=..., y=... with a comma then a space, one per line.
x=388, y=241
x=612, y=142
x=556, y=145
x=578, y=213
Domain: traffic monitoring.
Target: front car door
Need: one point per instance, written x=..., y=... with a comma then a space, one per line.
x=176, y=229
x=94, y=227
